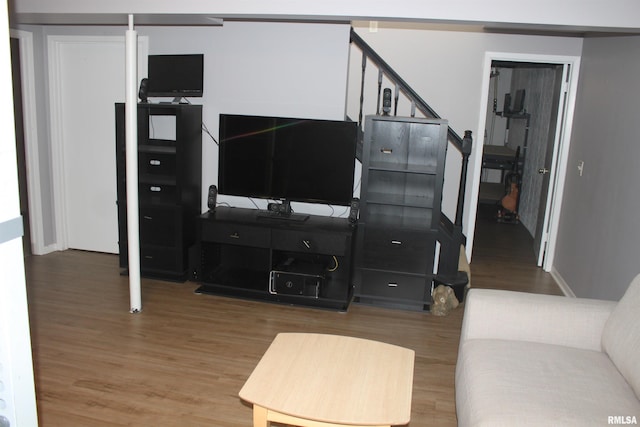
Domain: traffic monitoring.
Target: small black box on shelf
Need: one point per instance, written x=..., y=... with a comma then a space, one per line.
x=296, y=277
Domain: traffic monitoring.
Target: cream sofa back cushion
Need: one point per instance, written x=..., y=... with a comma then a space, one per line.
x=621, y=336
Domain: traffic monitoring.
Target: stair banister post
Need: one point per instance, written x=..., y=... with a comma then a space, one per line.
x=448, y=269
x=380, y=75
x=467, y=143
x=364, y=66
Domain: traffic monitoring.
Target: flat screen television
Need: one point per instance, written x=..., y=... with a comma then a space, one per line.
x=289, y=159
x=175, y=75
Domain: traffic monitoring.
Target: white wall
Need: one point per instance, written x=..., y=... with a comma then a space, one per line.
x=289, y=70
x=599, y=239
x=262, y=68
x=265, y=68
x=446, y=69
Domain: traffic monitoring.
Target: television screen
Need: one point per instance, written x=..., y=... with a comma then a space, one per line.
x=175, y=75
x=291, y=159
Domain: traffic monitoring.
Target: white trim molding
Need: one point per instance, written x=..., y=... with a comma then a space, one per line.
x=31, y=143
x=54, y=43
x=562, y=284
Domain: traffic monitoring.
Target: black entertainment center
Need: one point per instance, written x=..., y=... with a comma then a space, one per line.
x=274, y=254
x=246, y=254
x=277, y=254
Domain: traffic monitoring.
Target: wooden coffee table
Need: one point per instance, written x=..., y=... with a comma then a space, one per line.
x=317, y=380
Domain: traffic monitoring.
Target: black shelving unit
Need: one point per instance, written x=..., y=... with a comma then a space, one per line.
x=400, y=201
x=510, y=162
x=169, y=187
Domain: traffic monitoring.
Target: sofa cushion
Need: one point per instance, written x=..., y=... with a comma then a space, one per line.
x=621, y=335
x=509, y=383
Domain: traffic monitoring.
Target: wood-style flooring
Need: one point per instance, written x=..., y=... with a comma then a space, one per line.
x=183, y=359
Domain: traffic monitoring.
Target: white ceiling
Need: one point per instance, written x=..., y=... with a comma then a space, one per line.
x=541, y=16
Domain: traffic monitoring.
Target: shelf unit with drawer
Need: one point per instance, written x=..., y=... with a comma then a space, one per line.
x=246, y=254
x=169, y=186
x=400, y=203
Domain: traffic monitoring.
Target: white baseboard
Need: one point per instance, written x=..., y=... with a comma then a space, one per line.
x=564, y=287
x=43, y=250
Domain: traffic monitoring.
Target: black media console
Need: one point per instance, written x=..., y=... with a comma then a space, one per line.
x=247, y=254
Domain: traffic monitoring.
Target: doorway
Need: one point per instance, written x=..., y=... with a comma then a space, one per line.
x=526, y=123
x=86, y=77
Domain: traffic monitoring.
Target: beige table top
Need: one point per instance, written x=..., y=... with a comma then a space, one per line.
x=334, y=379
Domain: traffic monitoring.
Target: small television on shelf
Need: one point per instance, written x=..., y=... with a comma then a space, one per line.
x=288, y=159
x=175, y=75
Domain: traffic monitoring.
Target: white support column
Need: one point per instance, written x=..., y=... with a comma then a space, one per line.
x=131, y=132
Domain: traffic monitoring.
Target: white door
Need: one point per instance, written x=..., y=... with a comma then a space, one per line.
x=544, y=165
x=87, y=78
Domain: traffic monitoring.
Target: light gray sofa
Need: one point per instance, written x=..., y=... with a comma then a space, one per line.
x=542, y=360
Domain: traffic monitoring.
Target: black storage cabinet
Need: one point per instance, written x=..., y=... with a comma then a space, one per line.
x=400, y=201
x=169, y=186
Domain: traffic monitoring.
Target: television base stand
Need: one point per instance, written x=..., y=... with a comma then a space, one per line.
x=279, y=216
x=282, y=211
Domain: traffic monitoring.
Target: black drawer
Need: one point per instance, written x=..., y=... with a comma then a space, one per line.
x=158, y=193
x=162, y=259
x=160, y=226
x=397, y=250
x=389, y=215
x=402, y=146
x=310, y=242
x=394, y=285
x=235, y=234
x=157, y=163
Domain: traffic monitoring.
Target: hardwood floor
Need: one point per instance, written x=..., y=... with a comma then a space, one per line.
x=182, y=361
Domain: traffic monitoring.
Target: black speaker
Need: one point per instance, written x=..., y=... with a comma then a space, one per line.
x=142, y=93
x=386, y=101
x=506, y=108
x=354, y=208
x=212, y=197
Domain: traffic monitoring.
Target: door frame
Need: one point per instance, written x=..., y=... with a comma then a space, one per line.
x=561, y=149
x=30, y=125
x=54, y=45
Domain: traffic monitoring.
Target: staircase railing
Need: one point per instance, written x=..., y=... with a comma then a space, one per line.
x=451, y=233
x=401, y=86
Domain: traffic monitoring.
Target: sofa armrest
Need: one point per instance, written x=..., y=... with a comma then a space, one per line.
x=551, y=319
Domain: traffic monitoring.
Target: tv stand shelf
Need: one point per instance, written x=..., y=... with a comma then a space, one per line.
x=243, y=253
